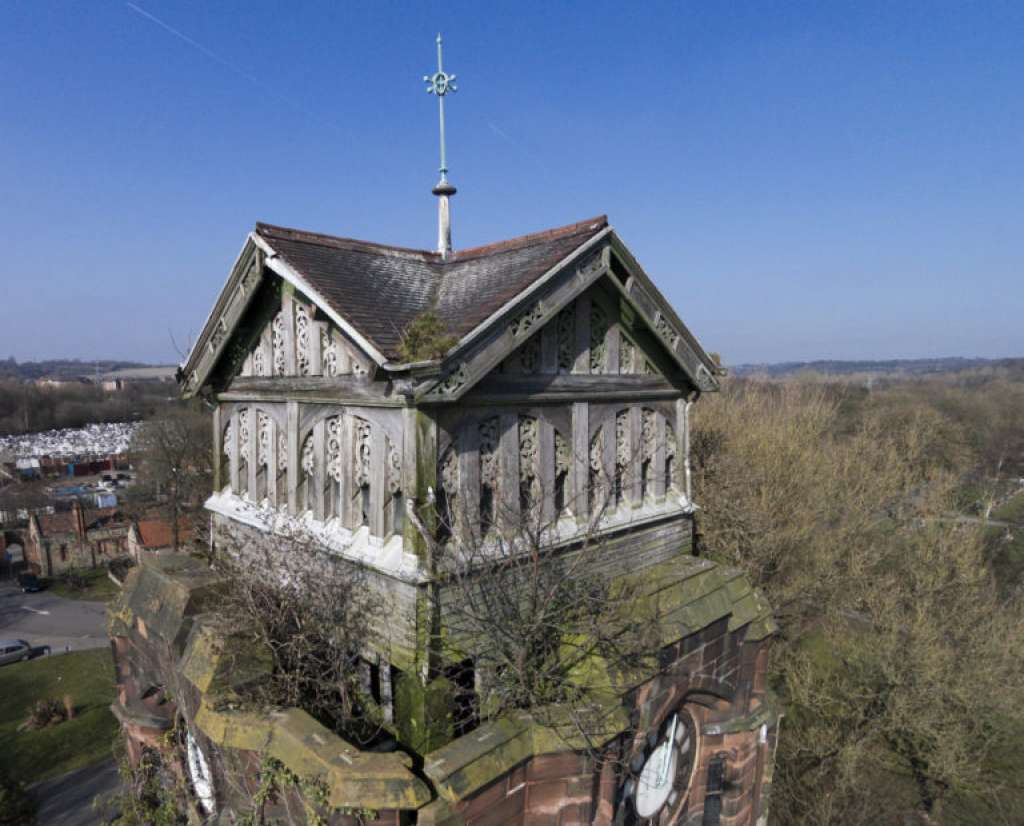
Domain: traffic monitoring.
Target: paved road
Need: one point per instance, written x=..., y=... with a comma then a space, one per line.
x=46, y=620
x=68, y=800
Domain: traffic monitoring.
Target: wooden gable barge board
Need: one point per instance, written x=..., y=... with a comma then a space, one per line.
x=489, y=352
x=461, y=353
x=568, y=387
x=522, y=298
x=292, y=276
x=688, y=343
x=200, y=354
x=340, y=389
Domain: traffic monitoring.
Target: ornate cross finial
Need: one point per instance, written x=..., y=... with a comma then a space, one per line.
x=442, y=84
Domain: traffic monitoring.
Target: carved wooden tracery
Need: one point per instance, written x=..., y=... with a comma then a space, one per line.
x=598, y=338
x=307, y=465
x=295, y=343
x=488, y=441
x=624, y=457
x=502, y=470
x=361, y=470
x=303, y=354
x=529, y=458
x=263, y=440
x=598, y=481
x=329, y=353
x=566, y=333
x=242, y=459
x=277, y=344
x=671, y=466
x=591, y=334
x=348, y=468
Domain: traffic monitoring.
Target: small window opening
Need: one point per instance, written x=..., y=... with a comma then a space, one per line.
x=526, y=500
x=594, y=490
x=364, y=505
x=466, y=702
x=397, y=512
x=560, y=503
x=486, y=508
x=445, y=511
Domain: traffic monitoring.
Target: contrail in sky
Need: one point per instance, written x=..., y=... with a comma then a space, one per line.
x=517, y=144
x=199, y=46
x=499, y=133
x=227, y=64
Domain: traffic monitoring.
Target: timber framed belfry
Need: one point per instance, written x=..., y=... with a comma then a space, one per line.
x=554, y=401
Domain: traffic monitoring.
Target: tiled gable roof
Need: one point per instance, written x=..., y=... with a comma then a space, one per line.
x=379, y=289
x=104, y=518
x=52, y=524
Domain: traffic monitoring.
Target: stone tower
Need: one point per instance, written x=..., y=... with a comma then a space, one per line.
x=564, y=390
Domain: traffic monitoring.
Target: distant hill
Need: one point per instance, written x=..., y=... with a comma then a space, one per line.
x=891, y=367
x=62, y=368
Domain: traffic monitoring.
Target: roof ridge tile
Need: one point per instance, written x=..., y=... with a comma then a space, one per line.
x=339, y=242
x=579, y=228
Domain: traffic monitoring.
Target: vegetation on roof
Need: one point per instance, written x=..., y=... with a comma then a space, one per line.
x=425, y=338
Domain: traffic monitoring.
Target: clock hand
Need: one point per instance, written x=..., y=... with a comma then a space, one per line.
x=666, y=761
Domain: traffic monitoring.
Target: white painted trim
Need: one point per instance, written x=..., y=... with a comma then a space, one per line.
x=290, y=274
x=390, y=558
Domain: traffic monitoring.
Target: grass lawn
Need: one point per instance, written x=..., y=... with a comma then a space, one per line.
x=98, y=586
x=1012, y=510
x=88, y=676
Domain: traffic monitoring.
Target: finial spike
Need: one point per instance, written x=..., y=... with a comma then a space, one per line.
x=442, y=84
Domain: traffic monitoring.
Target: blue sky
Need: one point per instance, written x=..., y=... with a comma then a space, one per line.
x=802, y=180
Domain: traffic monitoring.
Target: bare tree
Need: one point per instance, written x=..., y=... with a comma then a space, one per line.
x=313, y=614
x=176, y=461
x=899, y=662
x=532, y=621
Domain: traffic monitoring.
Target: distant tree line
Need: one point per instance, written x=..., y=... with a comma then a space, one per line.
x=28, y=408
x=11, y=368
x=891, y=368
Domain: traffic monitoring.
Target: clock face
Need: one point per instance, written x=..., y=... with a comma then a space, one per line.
x=658, y=779
x=200, y=775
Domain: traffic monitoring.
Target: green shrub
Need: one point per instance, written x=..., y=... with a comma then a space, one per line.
x=424, y=338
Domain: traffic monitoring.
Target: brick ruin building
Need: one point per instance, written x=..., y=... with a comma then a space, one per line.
x=568, y=376
x=81, y=537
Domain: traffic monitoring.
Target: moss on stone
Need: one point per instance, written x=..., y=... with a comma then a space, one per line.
x=474, y=760
x=218, y=661
x=168, y=592
x=423, y=713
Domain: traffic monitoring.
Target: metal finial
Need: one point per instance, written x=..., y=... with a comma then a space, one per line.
x=442, y=84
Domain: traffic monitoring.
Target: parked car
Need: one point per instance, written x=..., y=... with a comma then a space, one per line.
x=12, y=651
x=30, y=583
